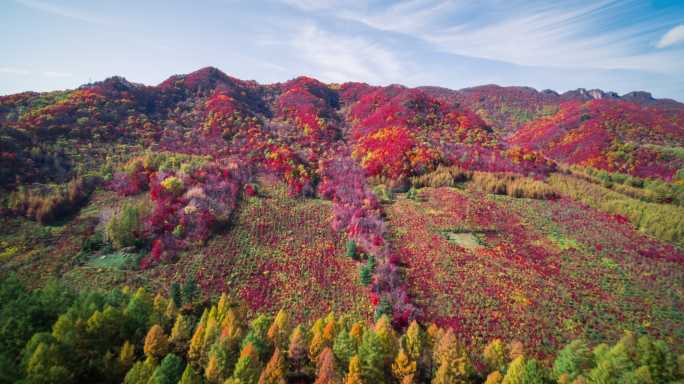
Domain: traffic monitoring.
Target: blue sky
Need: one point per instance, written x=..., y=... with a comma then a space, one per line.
x=613, y=45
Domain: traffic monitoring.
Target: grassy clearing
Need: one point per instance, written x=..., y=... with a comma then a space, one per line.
x=663, y=221
x=512, y=185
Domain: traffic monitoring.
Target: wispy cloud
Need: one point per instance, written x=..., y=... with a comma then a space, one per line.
x=310, y=5
x=344, y=58
x=56, y=74
x=571, y=34
x=673, y=37
x=14, y=71
x=61, y=10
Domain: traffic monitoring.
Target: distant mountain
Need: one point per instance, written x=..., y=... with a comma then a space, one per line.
x=508, y=108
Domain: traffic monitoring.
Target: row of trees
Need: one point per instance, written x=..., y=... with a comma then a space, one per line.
x=134, y=337
x=50, y=204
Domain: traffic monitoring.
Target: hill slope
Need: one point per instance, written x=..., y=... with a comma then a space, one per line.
x=357, y=198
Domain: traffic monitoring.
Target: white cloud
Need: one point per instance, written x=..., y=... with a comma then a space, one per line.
x=61, y=11
x=56, y=74
x=14, y=71
x=672, y=37
x=339, y=58
x=568, y=34
x=316, y=5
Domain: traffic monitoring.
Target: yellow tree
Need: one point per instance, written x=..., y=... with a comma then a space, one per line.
x=197, y=341
x=159, y=308
x=156, y=343
x=213, y=370
x=317, y=342
x=494, y=378
x=354, y=373
x=452, y=360
x=403, y=368
x=383, y=328
x=413, y=341
x=171, y=311
x=181, y=332
x=127, y=355
x=495, y=355
x=516, y=371
x=280, y=329
x=230, y=325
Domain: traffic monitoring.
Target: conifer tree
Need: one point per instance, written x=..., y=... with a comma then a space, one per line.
x=383, y=328
x=641, y=375
x=230, y=326
x=175, y=294
x=126, y=356
x=248, y=368
x=169, y=371
x=141, y=372
x=47, y=366
x=534, y=372
x=572, y=360
x=211, y=332
x=365, y=275
x=344, y=347
x=516, y=371
x=413, y=342
x=351, y=249
x=189, y=290
x=258, y=336
x=451, y=359
x=354, y=372
x=196, y=343
x=274, y=372
x=139, y=310
x=156, y=343
x=329, y=331
x=170, y=312
x=495, y=356
x=317, y=342
x=297, y=351
x=181, y=333
x=64, y=329
x=280, y=330
x=213, y=371
x=326, y=370
x=403, y=369
x=515, y=350
x=190, y=376
x=356, y=332
x=373, y=355
x=494, y=378
x=657, y=357
x=159, y=310
x=222, y=357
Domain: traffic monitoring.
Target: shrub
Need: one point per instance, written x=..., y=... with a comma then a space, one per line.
x=365, y=275
x=351, y=249
x=513, y=185
x=125, y=227
x=383, y=193
x=441, y=177
x=49, y=204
